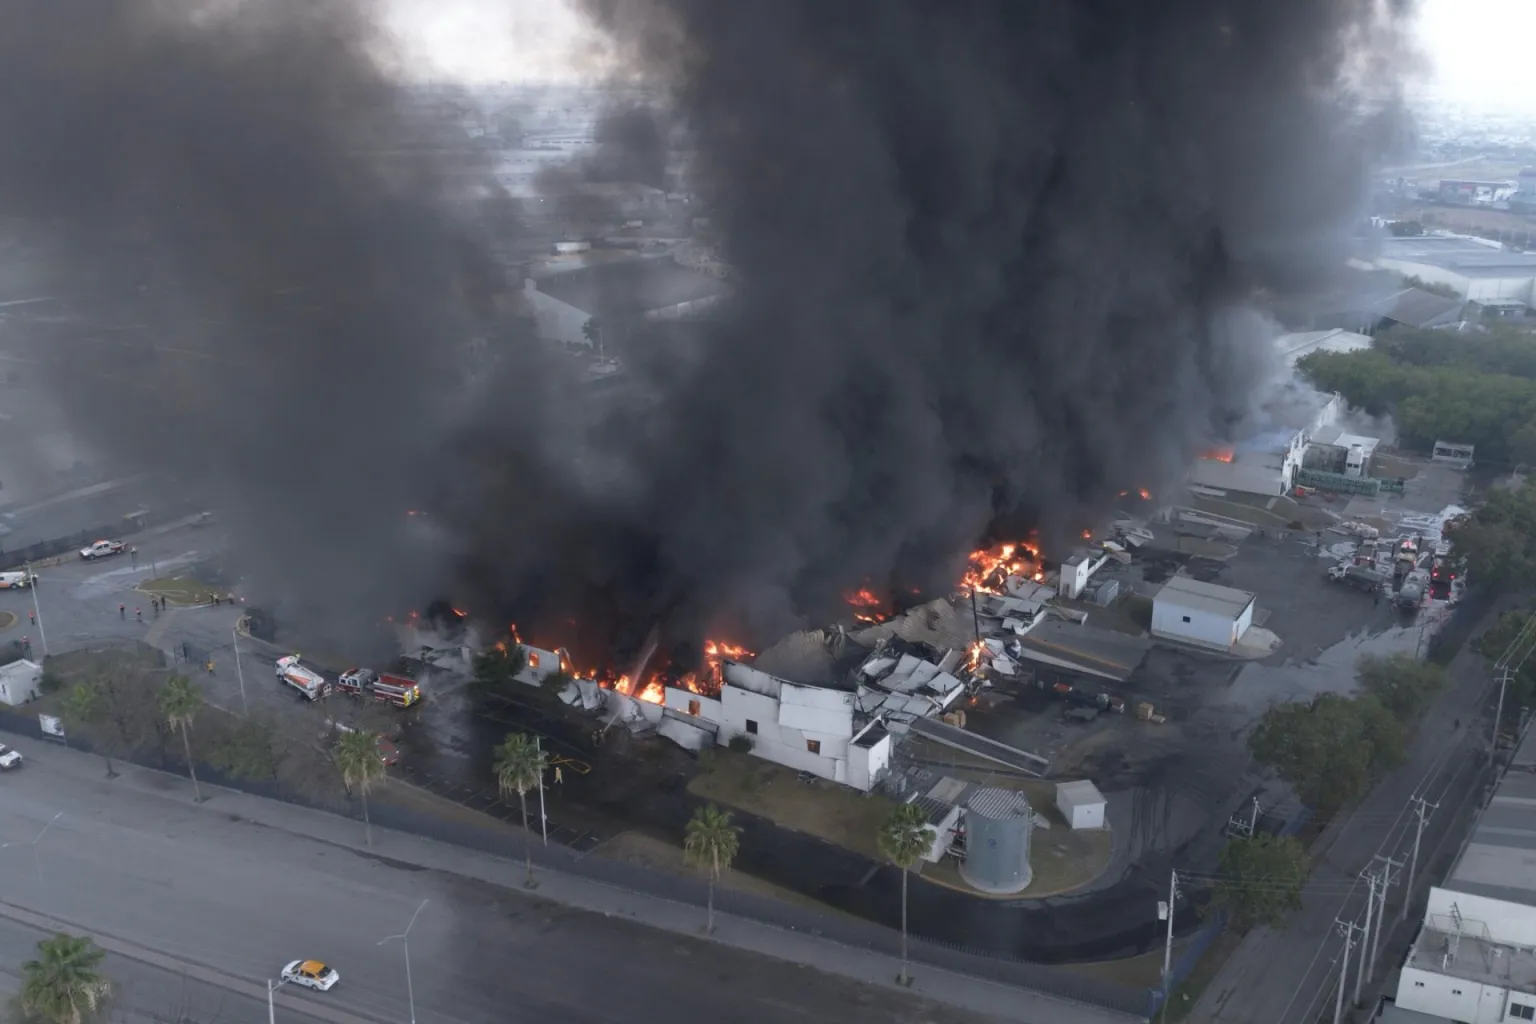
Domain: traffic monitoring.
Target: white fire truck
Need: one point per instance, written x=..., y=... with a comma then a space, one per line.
x=308, y=679
x=400, y=691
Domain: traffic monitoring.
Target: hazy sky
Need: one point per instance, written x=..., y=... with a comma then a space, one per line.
x=1478, y=47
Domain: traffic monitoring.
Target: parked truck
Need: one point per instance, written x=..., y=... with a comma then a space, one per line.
x=1361, y=577
x=398, y=690
x=1411, y=594
x=310, y=680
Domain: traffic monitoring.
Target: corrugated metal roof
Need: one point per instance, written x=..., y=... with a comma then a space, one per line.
x=1499, y=861
x=1000, y=804
x=1186, y=592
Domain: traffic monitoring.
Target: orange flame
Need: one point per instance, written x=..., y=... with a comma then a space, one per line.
x=652, y=692
x=989, y=567
x=461, y=613
x=1218, y=455
x=868, y=606
x=973, y=662
x=1146, y=495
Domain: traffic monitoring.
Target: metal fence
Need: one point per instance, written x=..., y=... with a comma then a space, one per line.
x=1137, y=1003
x=122, y=526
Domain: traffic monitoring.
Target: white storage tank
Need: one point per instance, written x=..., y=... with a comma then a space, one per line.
x=998, y=826
x=1081, y=804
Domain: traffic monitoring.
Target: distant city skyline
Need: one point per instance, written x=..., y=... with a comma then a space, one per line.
x=1477, y=49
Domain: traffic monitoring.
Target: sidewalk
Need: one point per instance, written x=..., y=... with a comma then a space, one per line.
x=970, y=993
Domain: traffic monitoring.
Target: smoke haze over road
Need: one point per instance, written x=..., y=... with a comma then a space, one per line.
x=996, y=267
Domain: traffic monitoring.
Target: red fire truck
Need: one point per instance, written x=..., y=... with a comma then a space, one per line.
x=400, y=691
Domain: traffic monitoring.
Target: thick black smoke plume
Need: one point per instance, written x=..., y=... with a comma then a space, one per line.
x=995, y=263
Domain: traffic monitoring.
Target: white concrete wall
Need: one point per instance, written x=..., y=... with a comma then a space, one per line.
x=19, y=682
x=774, y=743
x=1509, y=923
x=1084, y=815
x=558, y=321
x=867, y=764
x=1208, y=629
x=1456, y=999
x=686, y=702
x=684, y=309
x=1476, y=288
x=943, y=836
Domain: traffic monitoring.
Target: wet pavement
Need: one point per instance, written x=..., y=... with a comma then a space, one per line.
x=1171, y=787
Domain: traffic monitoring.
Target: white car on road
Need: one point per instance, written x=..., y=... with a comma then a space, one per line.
x=102, y=549
x=311, y=974
x=9, y=758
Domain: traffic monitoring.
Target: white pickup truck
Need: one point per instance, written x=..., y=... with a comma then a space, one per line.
x=102, y=549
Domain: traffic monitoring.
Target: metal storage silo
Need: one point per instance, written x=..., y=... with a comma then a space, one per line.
x=998, y=825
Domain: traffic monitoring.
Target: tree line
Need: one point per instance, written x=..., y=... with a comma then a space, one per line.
x=1478, y=389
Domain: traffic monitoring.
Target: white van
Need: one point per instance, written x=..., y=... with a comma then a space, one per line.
x=17, y=580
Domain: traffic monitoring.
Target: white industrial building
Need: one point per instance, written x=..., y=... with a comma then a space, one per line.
x=1303, y=343
x=1268, y=463
x=1474, y=960
x=1475, y=268
x=814, y=729
x=1202, y=614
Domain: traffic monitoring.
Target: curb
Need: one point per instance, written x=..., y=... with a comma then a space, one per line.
x=190, y=968
x=809, y=960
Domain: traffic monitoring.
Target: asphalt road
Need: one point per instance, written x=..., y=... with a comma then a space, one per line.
x=141, y=994
x=1289, y=976
x=211, y=889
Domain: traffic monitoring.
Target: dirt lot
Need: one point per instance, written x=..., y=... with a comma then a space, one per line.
x=836, y=813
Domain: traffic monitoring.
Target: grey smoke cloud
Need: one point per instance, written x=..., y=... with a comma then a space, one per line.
x=993, y=266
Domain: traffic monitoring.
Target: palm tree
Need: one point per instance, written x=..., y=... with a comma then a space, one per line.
x=357, y=755
x=82, y=706
x=904, y=837
x=180, y=701
x=63, y=985
x=520, y=767
x=710, y=846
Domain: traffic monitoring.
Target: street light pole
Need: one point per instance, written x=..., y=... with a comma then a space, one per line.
x=543, y=818
x=272, y=987
x=42, y=634
x=37, y=862
x=234, y=634
x=405, y=941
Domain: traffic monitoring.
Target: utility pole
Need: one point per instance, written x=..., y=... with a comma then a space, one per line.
x=234, y=636
x=1421, y=811
x=975, y=616
x=1346, y=929
x=1167, y=911
x=42, y=634
x=1388, y=865
x=543, y=818
x=1498, y=714
x=1365, y=936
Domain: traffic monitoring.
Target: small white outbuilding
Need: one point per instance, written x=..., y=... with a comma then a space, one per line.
x=19, y=681
x=1203, y=614
x=1081, y=804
